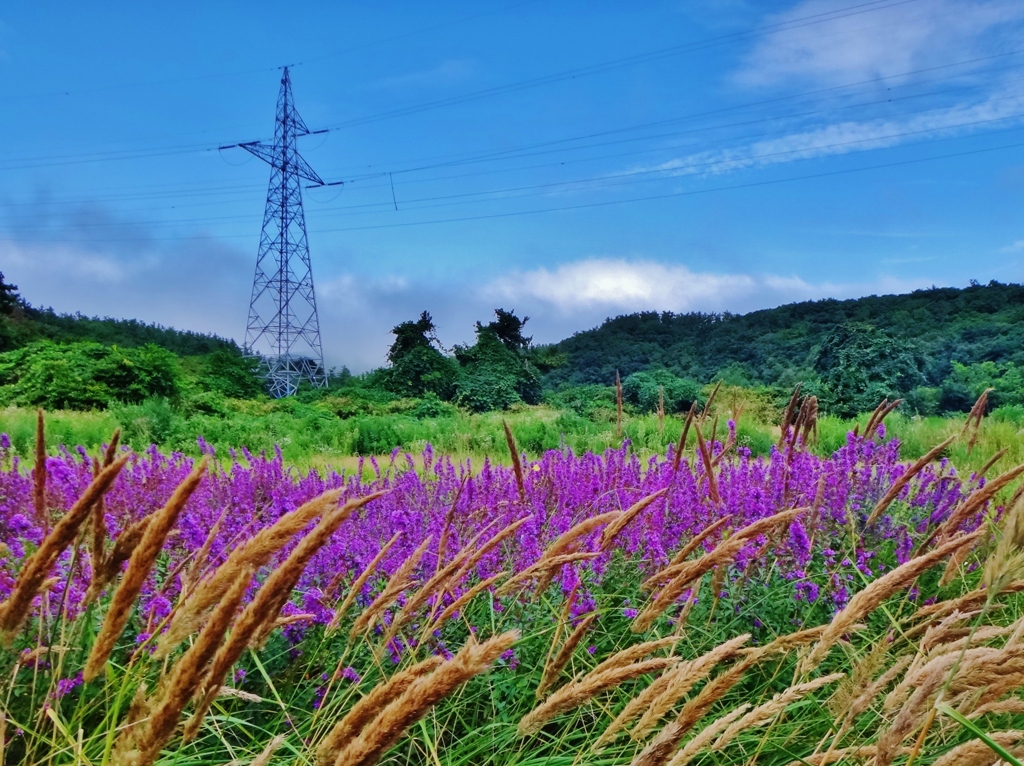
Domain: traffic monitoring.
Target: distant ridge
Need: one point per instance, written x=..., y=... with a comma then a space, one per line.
x=974, y=324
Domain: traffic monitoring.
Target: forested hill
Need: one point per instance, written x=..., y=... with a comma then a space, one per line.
x=939, y=326
x=22, y=323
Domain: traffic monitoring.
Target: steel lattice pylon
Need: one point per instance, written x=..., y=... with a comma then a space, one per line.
x=283, y=328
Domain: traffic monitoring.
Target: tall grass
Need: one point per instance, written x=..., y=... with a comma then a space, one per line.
x=908, y=671
x=313, y=437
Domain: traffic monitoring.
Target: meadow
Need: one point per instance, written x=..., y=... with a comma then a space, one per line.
x=315, y=436
x=696, y=599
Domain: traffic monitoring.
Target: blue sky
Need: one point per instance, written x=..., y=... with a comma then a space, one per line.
x=570, y=160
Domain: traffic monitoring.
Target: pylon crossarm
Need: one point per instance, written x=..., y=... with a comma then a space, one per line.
x=272, y=156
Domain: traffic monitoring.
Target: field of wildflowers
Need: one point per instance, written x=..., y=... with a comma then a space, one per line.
x=703, y=605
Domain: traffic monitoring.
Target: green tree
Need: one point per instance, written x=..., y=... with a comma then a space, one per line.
x=231, y=374
x=417, y=365
x=860, y=365
x=508, y=328
x=643, y=390
x=9, y=298
x=495, y=372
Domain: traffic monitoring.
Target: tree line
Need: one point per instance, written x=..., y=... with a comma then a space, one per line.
x=937, y=349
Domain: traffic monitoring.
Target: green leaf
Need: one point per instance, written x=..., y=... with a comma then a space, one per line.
x=972, y=727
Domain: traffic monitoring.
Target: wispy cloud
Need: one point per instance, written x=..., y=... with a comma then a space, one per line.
x=1015, y=247
x=857, y=47
x=445, y=73
x=881, y=42
x=999, y=112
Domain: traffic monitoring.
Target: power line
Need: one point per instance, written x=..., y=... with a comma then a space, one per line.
x=522, y=151
x=235, y=189
x=605, y=203
x=619, y=63
x=160, y=151
x=670, y=147
x=722, y=110
x=689, y=193
x=262, y=69
x=675, y=170
x=803, y=21
x=649, y=175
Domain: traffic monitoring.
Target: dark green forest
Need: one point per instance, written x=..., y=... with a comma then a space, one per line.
x=937, y=349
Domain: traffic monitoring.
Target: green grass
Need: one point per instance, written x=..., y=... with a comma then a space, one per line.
x=311, y=436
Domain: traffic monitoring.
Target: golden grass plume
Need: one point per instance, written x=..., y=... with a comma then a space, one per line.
x=367, y=708
x=15, y=609
x=553, y=669
x=256, y=551
x=357, y=586
x=139, y=566
x=423, y=693
x=871, y=597
x=579, y=692
x=681, y=679
x=140, y=745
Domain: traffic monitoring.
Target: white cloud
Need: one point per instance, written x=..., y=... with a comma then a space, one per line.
x=855, y=47
x=999, y=112
x=1015, y=247
x=619, y=285
x=863, y=44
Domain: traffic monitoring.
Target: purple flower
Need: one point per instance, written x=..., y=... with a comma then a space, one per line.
x=65, y=685
x=350, y=674
x=799, y=543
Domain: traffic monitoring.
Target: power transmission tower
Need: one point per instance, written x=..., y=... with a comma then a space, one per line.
x=283, y=328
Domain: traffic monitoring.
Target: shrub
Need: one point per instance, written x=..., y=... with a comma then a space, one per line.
x=583, y=400
x=643, y=390
x=376, y=436
x=82, y=376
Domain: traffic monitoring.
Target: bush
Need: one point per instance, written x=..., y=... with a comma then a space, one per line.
x=432, y=407
x=1009, y=413
x=643, y=390
x=84, y=376
x=152, y=422
x=925, y=400
x=583, y=400
x=376, y=436
x=485, y=389
x=231, y=375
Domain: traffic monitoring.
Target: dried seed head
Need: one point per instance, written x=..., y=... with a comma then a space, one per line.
x=257, y=552
x=414, y=703
x=554, y=668
x=876, y=592
x=139, y=565
x=367, y=708
x=577, y=693
x=34, y=572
